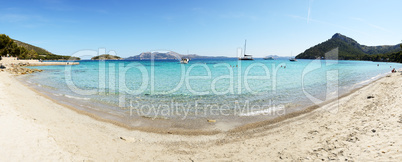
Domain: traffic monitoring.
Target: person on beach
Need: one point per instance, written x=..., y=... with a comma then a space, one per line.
x=393, y=70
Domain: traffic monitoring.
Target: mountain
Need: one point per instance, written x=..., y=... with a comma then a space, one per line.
x=168, y=55
x=106, y=57
x=349, y=49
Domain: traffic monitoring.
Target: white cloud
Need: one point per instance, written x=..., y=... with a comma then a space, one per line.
x=13, y=17
x=369, y=24
x=21, y=18
x=309, y=10
x=326, y=23
x=237, y=16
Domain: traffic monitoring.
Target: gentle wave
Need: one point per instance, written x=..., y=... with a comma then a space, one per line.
x=58, y=94
x=268, y=111
x=364, y=82
x=78, y=98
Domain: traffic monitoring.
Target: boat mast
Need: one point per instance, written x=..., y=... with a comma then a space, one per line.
x=245, y=43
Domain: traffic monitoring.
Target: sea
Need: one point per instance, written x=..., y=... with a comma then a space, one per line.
x=205, y=94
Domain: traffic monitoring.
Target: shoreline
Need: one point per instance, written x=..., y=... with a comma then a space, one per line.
x=70, y=131
x=208, y=128
x=200, y=132
x=305, y=110
x=9, y=61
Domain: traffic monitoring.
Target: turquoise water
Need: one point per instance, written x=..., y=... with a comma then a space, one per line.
x=222, y=88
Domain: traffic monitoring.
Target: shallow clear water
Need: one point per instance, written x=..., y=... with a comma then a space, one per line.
x=202, y=88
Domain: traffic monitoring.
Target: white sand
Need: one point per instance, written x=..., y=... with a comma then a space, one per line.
x=34, y=128
x=7, y=61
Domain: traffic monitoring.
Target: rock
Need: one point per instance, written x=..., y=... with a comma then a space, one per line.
x=373, y=130
x=17, y=69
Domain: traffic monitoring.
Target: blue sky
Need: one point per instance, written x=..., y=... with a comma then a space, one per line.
x=204, y=27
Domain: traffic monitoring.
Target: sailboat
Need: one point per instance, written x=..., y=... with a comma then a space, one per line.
x=292, y=58
x=246, y=57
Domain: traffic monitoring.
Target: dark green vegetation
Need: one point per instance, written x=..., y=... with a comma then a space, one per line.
x=350, y=49
x=106, y=57
x=23, y=50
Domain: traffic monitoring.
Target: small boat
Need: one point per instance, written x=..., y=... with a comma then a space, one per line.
x=184, y=60
x=246, y=57
x=268, y=58
x=293, y=59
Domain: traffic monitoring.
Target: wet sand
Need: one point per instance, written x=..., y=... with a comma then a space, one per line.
x=354, y=127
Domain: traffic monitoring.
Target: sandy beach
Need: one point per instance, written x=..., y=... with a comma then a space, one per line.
x=355, y=127
x=8, y=61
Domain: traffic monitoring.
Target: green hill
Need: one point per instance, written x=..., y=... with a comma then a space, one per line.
x=349, y=49
x=29, y=47
x=23, y=50
x=106, y=57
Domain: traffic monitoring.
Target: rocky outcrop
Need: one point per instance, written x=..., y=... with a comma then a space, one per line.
x=20, y=70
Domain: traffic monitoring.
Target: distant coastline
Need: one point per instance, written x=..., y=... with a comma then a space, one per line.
x=170, y=55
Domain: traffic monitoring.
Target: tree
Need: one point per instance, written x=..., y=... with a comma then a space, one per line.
x=32, y=54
